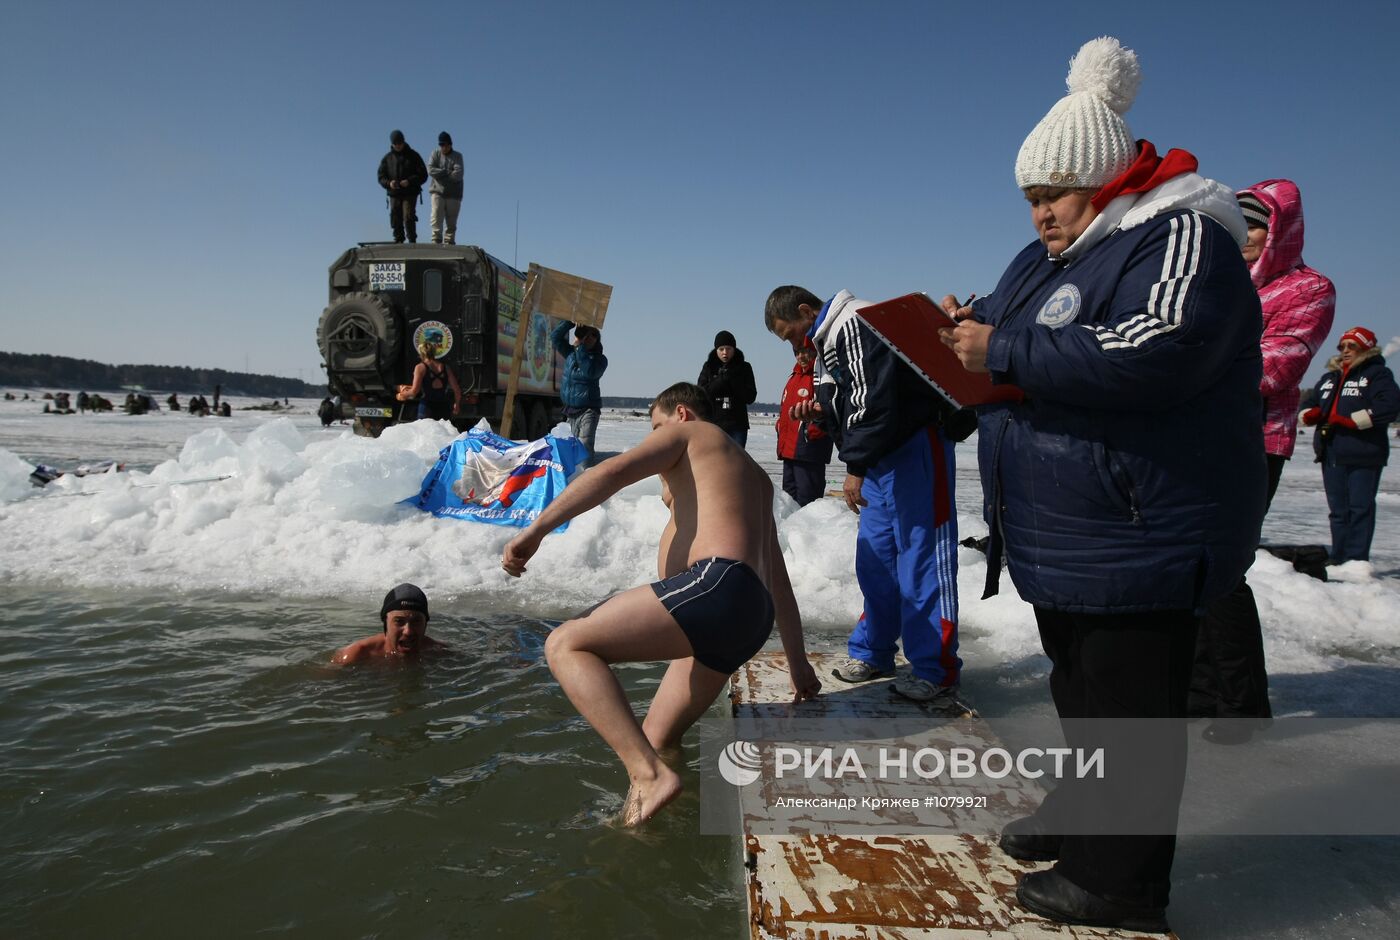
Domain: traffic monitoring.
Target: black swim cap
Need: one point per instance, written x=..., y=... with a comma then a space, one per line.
x=404, y=597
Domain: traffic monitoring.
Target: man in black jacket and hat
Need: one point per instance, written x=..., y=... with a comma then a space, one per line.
x=402, y=174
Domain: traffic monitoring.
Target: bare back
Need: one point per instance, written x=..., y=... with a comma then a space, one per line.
x=721, y=504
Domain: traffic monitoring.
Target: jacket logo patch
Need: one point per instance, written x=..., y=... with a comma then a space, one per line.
x=1061, y=308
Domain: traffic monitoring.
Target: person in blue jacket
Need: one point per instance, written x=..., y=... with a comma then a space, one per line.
x=895, y=435
x=1356, y=401
x=584, y=365
x=1126, y=490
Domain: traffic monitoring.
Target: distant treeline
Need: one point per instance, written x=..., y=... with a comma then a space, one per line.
x=75, y=375
x=642, y=404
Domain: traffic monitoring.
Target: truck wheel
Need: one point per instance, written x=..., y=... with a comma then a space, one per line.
x=538, y=425
x=358, y=333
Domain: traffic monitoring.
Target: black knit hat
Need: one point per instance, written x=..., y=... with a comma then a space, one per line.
x=1255, y=212
x=725, y=338
x=396, y=137
x=404, y=597
x=444, y=138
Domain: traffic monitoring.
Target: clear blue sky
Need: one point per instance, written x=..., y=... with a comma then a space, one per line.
x=178, y=176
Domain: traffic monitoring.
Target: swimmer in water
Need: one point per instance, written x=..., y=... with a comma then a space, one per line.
x=722, y=585
x=404, y=614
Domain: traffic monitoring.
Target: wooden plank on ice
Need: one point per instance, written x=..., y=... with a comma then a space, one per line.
x=896, y=886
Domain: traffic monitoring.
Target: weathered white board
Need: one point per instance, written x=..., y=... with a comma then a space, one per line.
x=819, y=886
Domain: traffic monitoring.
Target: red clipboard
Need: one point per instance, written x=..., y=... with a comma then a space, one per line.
x=909, y=325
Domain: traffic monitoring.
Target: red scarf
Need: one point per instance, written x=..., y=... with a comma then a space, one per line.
x=1147, y=172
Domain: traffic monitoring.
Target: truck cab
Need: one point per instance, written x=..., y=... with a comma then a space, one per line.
x=388, y=299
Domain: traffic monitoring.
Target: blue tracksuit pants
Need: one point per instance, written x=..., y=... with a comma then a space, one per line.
x=907, y=561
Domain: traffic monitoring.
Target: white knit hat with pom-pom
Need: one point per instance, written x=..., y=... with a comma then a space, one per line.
x=1083, y=142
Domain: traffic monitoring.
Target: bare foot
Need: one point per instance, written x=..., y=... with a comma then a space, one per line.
x=645, y=798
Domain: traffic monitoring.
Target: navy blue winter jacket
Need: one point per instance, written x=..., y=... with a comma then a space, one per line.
x=1132, y=476
x=1369, y=397
x=578, y=387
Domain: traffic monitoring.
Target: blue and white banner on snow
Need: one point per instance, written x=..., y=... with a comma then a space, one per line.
x=488, y=478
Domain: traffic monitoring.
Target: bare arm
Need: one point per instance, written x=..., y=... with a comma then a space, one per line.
x=456, y=390
x=805, y=683
x=416, y=389
x=360, y=649
x=660, y=451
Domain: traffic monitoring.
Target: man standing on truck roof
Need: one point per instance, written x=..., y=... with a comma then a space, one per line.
x=445, y=190
x=402, y=174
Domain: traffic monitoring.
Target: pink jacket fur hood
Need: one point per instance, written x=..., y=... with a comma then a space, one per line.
x=1298, y=303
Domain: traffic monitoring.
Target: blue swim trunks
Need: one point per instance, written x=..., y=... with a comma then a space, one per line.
x=723, y=608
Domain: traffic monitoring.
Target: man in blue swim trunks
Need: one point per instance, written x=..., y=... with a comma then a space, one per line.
x=723, y=582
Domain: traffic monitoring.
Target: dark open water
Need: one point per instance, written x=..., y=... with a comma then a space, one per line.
x=187, y=766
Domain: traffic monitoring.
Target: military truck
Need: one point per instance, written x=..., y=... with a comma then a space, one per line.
x=387, y=299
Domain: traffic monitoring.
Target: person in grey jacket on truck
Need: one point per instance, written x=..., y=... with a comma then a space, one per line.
x=445, y=190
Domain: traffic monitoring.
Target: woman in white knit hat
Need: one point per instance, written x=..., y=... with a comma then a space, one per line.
x=1126, y=490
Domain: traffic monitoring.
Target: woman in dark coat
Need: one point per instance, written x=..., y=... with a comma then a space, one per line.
x=729, y=381
x=1357, y=401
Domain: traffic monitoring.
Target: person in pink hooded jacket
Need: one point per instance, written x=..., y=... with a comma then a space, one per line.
x=1229, y=681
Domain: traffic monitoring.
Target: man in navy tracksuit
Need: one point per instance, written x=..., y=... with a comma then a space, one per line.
x=1127, y=488
x=889, y=428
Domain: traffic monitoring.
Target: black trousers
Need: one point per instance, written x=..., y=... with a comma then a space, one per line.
x=403, y=214
x=1119, y=683
x=804, y=480
x=1230, y=679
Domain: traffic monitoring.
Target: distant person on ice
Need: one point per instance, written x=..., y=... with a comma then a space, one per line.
x=803, y=447
x=1356, y=401
x=722, y=583
x=584, y=365
x=404, y=615
x=728, y=380
x=402, y=174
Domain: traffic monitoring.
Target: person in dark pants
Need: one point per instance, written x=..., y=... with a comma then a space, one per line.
x=728, y=380
x=1356, y=401
x=579, y=389
x=1230, y=682
x=803, y=447
x=1132, y=328
x=402, y=174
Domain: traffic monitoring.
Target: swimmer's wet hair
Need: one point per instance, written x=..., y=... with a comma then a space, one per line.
x=685, y=393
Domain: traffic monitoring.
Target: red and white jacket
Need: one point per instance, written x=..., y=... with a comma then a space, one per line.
x=800, y=440
x=1298, y=304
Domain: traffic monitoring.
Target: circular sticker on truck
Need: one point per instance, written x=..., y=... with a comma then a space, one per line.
x=436, y=335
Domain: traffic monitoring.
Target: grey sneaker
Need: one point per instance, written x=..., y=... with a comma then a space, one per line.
x=857, y=670
x=921, y=690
